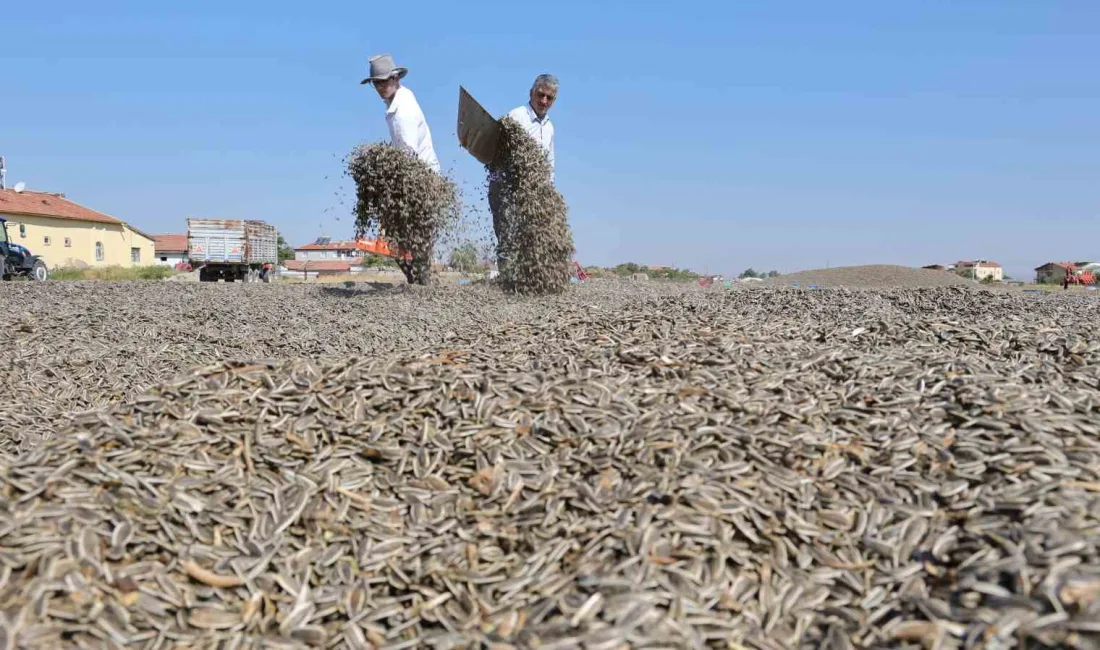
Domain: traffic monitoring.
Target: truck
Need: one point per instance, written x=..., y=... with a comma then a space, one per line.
x=232, y=249
x=18, y=262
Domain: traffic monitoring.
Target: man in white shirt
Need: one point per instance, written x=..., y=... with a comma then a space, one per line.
x=534, y=117
x=408, y=128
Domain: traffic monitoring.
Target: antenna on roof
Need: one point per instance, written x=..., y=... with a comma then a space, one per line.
x=3, y=172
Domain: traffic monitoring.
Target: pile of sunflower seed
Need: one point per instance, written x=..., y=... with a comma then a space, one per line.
x=728, y=469
x=535, y=241
x=403, y=199
x=74, y=346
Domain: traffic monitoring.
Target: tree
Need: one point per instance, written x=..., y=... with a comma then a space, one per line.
x=749, y=273
x=371, y=260
x=464, y=257
x=773, y=274
x=629, y=268
x=285, y=251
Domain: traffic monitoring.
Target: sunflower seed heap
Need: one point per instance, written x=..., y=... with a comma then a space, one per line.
x=399, y=196
x=760, y=468
x=74, y=346
x=535, y=240
x=871, y=276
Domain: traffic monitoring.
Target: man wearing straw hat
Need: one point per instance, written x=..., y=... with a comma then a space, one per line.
x=408, y=128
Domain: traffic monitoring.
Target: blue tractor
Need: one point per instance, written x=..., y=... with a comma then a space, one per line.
x=16, y=261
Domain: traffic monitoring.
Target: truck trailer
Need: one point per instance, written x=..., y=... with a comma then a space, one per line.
x=233, y=249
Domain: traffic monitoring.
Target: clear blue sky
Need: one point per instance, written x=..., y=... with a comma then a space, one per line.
x=715, y=135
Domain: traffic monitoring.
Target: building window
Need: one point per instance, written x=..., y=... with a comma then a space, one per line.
x=164, y=259
x=68, y=243
x=135, y=256
x=99, y=251
x=23, y=230
x=46, y=240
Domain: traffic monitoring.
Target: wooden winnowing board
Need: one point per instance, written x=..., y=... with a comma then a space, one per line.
x=478, y=131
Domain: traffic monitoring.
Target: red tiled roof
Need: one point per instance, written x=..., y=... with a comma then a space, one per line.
x=331, y=246
x=43, y=204
x=170, y=243
x=318, y=265
x=1069, y=266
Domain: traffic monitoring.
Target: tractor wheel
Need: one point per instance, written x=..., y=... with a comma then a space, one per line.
x=39, y=271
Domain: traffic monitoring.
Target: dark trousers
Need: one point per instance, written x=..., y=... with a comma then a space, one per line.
x=417, y=270
x=500, y=222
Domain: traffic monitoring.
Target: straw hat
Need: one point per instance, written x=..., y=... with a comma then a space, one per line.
x=382, y=68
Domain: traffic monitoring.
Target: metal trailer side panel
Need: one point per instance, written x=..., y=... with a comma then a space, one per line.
x=216, y=241
x=263, y=243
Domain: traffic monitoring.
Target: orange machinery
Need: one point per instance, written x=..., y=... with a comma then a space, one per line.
x=377, y=247
x=1084, y=278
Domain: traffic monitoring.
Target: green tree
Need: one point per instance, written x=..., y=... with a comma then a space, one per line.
x=285, y=251
x=629, y=268
x=371, y=260
x=682, y=275
x=773, y=274
x=749, y=273
x=464, y=257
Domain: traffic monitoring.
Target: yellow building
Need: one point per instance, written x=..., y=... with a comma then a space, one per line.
x=982, y=270
x=67, y=235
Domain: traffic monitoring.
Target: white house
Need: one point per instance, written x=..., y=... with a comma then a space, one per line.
x=326, y=249
x=170, y=250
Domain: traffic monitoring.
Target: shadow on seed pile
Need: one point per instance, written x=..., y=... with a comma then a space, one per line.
x=536, y=241
x=405, y=200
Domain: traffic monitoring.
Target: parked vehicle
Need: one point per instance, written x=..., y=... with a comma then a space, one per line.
x=17, y=261
x=233, y=249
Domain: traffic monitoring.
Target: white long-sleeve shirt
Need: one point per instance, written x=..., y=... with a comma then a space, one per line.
x=408, y=128
x=541, y=130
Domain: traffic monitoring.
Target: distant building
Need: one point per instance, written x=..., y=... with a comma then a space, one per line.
x=324, y=248
x=1053, y=272
x=305, y=269
x=66, y=234
x=170, y=249
x=981, y=270
x=935, y=267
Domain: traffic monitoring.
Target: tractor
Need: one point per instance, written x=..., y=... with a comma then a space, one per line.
x=17, y=261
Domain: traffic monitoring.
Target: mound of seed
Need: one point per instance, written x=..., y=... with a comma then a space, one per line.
x=536, y=240
x=74, y=346
x=872, y=276
x=767, y=469
x=399, y=195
